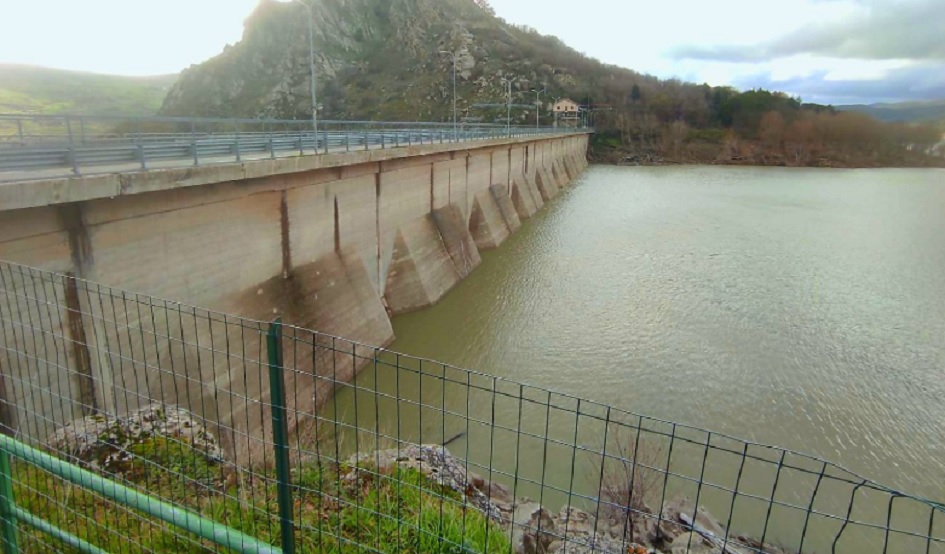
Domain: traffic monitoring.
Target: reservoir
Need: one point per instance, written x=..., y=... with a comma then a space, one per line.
x=803, y=308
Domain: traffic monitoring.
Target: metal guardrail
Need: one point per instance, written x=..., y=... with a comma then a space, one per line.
x=86, y=144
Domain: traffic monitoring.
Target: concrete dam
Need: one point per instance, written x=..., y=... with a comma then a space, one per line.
x=338, y=242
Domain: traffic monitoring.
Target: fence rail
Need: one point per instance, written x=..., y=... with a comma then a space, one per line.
x=87, y=144
x=217, y=415
x=202, y=527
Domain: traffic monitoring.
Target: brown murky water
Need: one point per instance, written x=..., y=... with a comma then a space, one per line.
x=801, y=308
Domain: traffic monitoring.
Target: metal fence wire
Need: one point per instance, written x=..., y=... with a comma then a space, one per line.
x=313, y=443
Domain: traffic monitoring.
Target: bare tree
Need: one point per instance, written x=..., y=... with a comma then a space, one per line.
x=631, y=478
x=674, y=136
x=771, y=130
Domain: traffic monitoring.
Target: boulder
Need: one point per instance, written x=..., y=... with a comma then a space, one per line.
x=578, y=532
x=437, y=464
x=677, y=519
x=533, y=529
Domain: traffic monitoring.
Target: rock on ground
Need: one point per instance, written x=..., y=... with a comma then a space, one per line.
x=534, y=530
x=103, y=441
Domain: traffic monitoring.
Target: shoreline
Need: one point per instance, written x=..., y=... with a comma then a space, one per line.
x=631, y=158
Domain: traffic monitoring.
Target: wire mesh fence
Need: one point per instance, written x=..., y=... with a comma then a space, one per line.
x=313, y=443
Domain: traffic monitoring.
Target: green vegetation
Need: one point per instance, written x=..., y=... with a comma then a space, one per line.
x=381, y=59
x=397, y=512
x=38, y=90
x=764, y=127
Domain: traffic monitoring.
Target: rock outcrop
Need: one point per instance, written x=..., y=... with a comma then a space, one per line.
x=382, y=60
x=104, y=443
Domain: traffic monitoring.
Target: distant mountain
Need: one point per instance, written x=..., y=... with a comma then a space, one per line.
x=909, y=112
x=40, y=90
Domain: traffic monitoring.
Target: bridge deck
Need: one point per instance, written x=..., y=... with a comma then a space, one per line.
x=41, y=186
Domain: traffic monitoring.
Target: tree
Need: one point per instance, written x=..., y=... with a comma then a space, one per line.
x=635, y=94
x=771, y=130
x=486, y=6
x=674, y=136
x=800, y=140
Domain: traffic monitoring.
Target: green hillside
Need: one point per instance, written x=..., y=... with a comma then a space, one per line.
x=39, y=90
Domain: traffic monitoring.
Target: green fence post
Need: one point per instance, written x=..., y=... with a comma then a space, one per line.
x=8, y=532
x=280, y=435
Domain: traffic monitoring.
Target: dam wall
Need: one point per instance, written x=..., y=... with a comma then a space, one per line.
x=338, y=243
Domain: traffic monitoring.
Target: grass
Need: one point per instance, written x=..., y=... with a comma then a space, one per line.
x=336, y=508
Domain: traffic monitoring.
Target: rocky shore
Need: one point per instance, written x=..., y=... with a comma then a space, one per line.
x=537, y=529
x=111, y=446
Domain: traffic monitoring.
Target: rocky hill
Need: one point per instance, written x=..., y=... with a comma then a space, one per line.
x=380, y=59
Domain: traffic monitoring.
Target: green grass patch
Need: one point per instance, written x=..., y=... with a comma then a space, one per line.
x=393, y=512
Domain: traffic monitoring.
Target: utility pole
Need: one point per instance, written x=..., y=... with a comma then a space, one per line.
x=453, y=56
x=311, y=54
x=508, y=116
x=538, y=94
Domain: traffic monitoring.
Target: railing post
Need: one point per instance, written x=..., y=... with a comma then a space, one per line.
x=236, y=126
x=272, y=144
x=280, y=436
x=8, y=531
x=73, y=158
x=193, y=141
x=302, y=141
x=347, y=138
x=140, y=144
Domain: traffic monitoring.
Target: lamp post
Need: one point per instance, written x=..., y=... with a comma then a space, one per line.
x=453, y=56
x=538, y=94
x=311, y=54
x=508, y=116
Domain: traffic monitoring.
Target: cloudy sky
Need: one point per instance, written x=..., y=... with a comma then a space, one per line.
x=831, y=51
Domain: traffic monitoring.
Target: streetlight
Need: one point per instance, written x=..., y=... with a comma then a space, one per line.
x=508, y=116
x=538, y=94
x=311, y=53
x=453, y=56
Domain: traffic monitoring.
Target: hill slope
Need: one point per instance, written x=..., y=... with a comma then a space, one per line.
x=908, y=112
x=40, y=90
x=383, y=60
x=380, y=59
